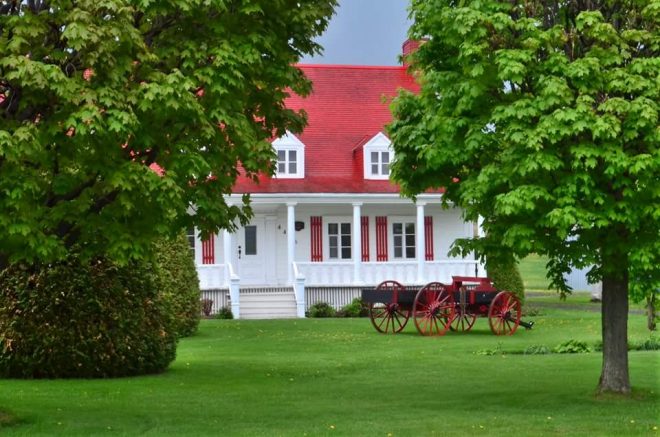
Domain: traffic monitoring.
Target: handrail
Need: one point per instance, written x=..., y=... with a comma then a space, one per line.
x=232, y=272
x=296, y=272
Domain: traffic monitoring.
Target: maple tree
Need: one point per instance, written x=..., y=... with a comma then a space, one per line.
x=95, y=95
x=542, y=118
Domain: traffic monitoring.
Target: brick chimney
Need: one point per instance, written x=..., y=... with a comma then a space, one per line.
x=409, y=46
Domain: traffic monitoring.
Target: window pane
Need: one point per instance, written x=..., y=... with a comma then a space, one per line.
x=281, y=155
x=385, y=157
x=397, y=252
x=250, y=240
x=374, y=169
x=410, y=240
x=332, y=228
x=346, y=228
x=293, y=155
x=397, y=228
x=346, y=241
x=386, y=168
x=333, y=252
x=410, y=252
x=410, y=228
x=374, y=157
x=346, y=252
x=293, y=168
x=281, y=168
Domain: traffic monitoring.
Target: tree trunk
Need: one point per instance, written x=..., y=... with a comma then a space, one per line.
x=614, y=376
x=650, y=311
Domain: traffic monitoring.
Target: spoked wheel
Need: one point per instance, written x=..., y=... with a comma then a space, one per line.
x=433, y=309
x=389, y=317
x=504, y=313
x=462, y=321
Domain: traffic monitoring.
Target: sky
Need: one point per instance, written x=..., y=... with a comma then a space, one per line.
x=364, y=32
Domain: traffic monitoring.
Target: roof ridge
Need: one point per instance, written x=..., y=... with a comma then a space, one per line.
x=354, y=67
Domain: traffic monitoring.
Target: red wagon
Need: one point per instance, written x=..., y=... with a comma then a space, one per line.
x=436, y=307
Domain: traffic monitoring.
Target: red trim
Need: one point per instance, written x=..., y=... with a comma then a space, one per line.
x=381, y=239
x=352, y=67
x=208, y=250
x=316, y=225
x=365, y=237
x=428, y=237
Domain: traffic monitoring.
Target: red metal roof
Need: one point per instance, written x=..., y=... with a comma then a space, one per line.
x=348, y=106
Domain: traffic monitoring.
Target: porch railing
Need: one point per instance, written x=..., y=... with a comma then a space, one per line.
x=212, y=276
x=406, y=272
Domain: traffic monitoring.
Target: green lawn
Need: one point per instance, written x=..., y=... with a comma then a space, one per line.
x=532, y=270
x=339, y=377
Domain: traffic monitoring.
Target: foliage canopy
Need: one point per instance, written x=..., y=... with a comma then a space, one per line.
x=94, y=93
x=548, y=116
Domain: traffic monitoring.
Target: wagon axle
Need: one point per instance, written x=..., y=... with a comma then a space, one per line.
x=526, y=325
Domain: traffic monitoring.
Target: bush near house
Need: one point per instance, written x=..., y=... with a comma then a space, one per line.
x=321, y=309
x=178, y=283
x=83, y=319
x=356, y=308
x=506, y=276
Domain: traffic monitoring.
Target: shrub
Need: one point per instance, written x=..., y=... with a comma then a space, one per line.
x=536, y=350
x=83, y=319
x=321, y=309
x=225, y=313
x=206, y=306
x=505, y=276
x=572, y=347
x=650, y=344
x=356, y=308
x=178, y=282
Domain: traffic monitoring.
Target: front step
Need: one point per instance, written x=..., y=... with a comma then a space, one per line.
x=268, y=305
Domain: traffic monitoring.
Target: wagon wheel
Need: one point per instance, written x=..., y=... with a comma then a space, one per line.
x=504, y=313
x=389, y=317
x=433, y=309
x=462, y=321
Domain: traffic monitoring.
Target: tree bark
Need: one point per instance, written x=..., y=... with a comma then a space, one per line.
x=650, y=311
x=614, y=376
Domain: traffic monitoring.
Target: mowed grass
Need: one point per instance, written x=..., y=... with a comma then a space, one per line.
x=532, y=270
x=340, y=377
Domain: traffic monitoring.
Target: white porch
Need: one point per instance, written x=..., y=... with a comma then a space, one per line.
x=290, y=243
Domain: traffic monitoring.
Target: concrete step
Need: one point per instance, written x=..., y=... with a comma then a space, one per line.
x=267, y=305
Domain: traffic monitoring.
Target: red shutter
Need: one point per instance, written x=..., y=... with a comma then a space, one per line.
x=208, y=250
x=317, y=238
x=365, y=238
x=428, y=237
x=381, y=239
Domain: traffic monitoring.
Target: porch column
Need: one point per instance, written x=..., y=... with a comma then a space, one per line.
x=226, y=253
x=357, y=243
x=232, y=281
x=291, y=238
x=420, y=243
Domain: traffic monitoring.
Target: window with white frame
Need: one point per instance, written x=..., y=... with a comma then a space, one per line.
x=190, y=235
x=380, y=163
x=290, y=152
x=378, y=155
x=403, y=239
x=339, y=240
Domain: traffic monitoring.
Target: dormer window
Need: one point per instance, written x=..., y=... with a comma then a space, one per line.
x=290, y=157
x=380, y=163
x=378, y=155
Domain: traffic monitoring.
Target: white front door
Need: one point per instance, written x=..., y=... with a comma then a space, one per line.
x=251, y=253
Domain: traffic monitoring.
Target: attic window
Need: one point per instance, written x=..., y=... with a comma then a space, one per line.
x=378, y=155
x=290, y=162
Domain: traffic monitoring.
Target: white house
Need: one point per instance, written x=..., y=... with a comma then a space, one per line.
x=330, y=222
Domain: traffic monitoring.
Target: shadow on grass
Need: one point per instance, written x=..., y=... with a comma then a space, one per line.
x=8, y=419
